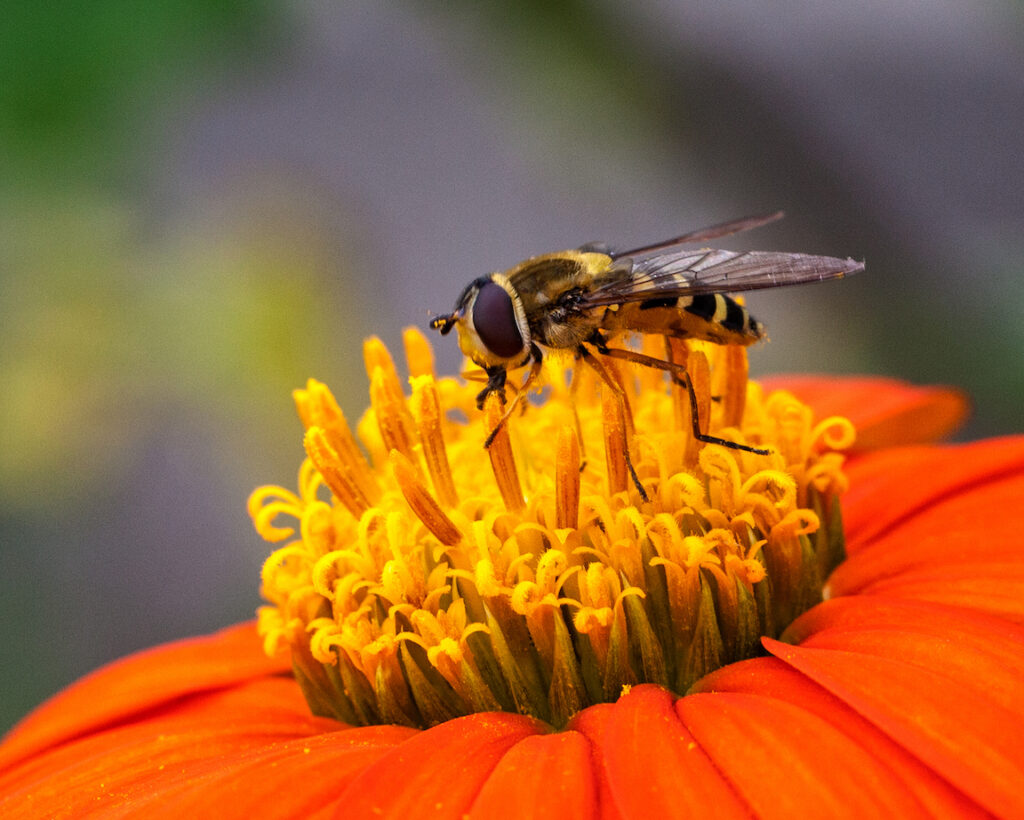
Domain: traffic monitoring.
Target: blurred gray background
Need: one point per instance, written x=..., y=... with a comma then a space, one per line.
x=205, y=202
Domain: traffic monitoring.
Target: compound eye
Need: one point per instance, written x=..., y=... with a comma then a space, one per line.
x=494, y=319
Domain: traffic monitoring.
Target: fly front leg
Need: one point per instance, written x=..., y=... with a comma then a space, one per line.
x=536, y=358
x=495, y=384
x=678, y=374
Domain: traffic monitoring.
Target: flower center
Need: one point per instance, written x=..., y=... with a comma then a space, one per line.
x=433, y=577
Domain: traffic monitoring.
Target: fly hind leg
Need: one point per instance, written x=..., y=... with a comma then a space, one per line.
x=620, y=397
x=679, y=375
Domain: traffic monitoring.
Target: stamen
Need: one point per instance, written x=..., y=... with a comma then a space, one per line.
x=722, y=466
x=427, y=411
x=678, y=352
x=418, y=353
x=792, y=421
x=376, y=354
x=317, y=407
x=785, y=554
x=767, y=494
x=393, y=419
x=397, y=428
x=614, y=444
x=567, y=479
x=334, y=471
x=648, y=378
x=502, y=462
x=734, y=389
x=422, y=502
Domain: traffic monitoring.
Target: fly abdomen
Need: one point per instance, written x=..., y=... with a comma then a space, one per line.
x=713, y=317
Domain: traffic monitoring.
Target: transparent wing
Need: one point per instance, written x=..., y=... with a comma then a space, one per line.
x=675, y=273
x=700, y=235
x=747, y=223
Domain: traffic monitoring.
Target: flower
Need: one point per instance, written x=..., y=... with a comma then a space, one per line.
x=898, y=694
x=443, y=578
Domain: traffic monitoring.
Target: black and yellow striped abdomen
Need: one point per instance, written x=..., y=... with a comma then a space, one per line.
x=713, y=317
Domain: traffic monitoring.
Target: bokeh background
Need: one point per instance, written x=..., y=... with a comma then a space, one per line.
x=204, y=202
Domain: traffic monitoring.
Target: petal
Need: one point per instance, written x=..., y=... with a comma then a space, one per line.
x=542, y=776
x=938, y=524
x=891, y=488
x=770, y=677
x=439, y=772
x=974, y=649
x=788, y=762
x=592, y=723
x=994, y=588
x=140, y=683
x=222, y=753
x=300, y=778
x=652, y=763
x=949, y=722
x=885, y=412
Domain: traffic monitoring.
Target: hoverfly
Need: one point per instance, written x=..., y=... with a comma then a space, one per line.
x=580, y=299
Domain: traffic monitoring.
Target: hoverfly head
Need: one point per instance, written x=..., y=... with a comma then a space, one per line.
x=490, y=321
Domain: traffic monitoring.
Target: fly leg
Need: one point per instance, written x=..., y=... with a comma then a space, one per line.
x=679, y=376
x=620, y=397
x=495, y=384
x=535, y=365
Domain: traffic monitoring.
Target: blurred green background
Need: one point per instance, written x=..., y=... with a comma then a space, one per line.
x=204, y=202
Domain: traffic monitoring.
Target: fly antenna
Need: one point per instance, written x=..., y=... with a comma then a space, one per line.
x=443, y=323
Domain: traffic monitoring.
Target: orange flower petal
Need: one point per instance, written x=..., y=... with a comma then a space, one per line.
x=885, y=412
x=770, y=677
x=946, y=719
x=995, y=588
x=438, y=772
x=593, y=723
x=140, y=683
x=300, y=778
x=196, y=752
x=542, y=776
x=787, y=762
x=891, y=488
x=653, y=765
x=938, y=524
x=975, y=649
